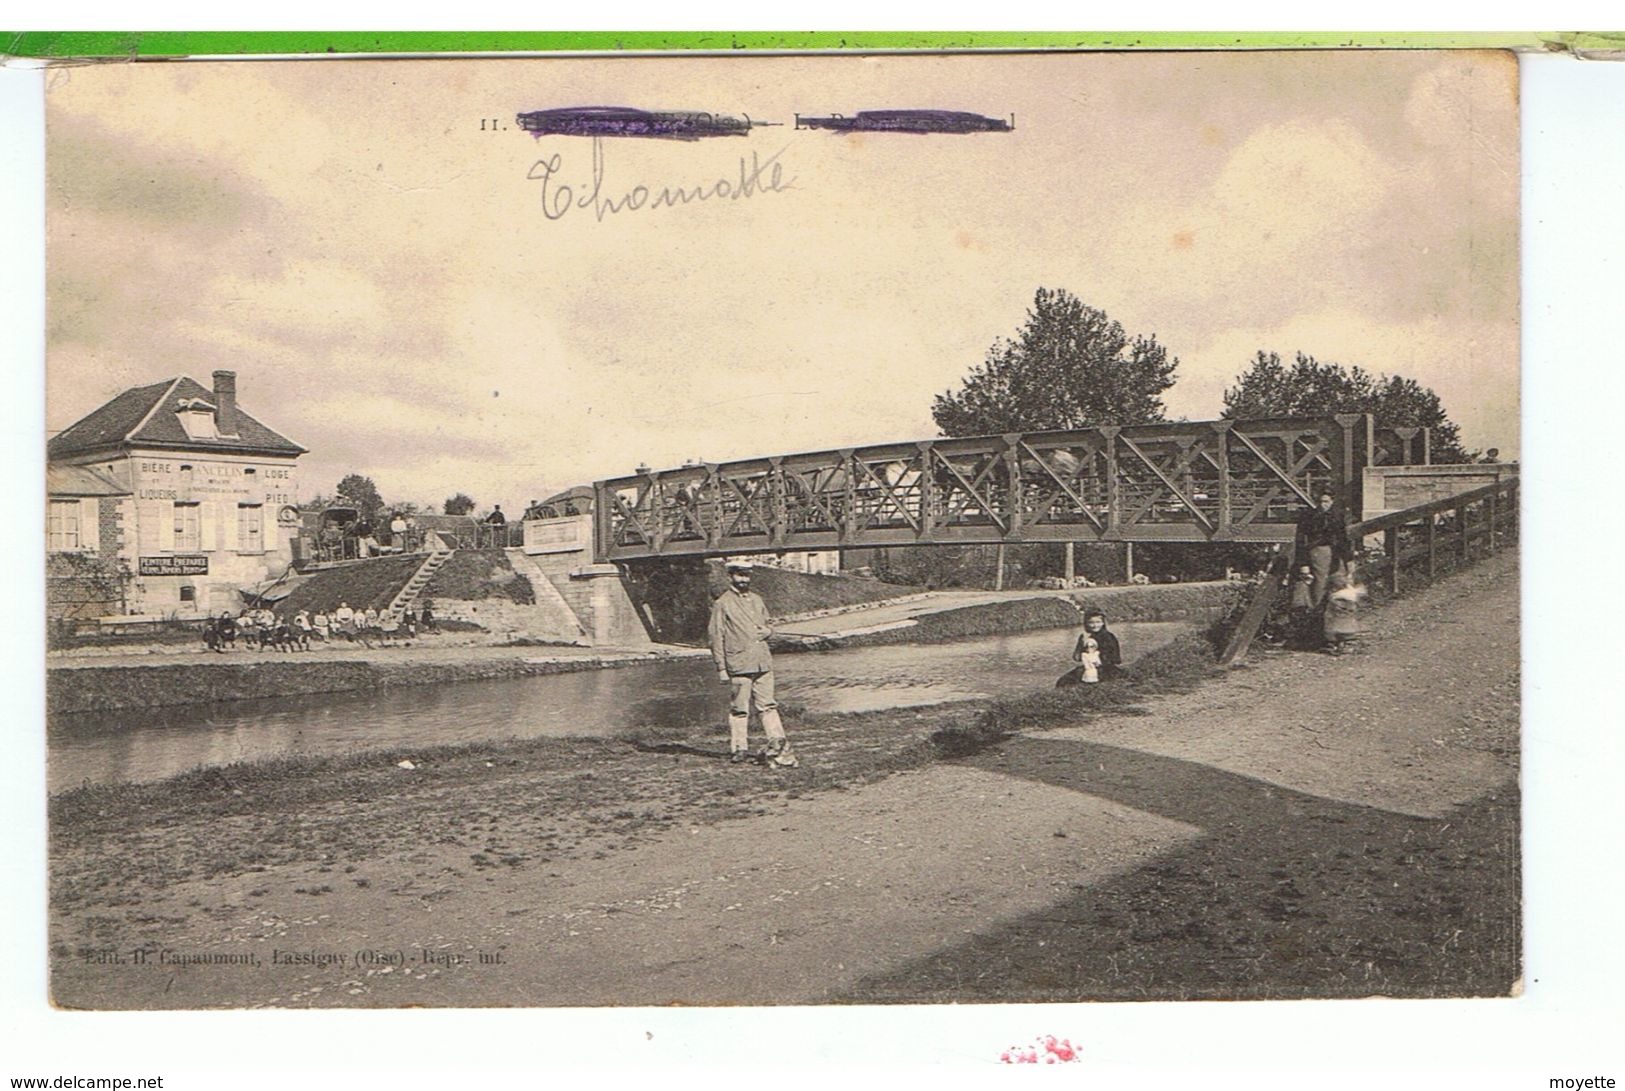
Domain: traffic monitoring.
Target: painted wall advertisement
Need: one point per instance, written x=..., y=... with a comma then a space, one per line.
x=185, y=564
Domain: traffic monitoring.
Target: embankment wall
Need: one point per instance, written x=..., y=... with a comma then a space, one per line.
x=102, y=689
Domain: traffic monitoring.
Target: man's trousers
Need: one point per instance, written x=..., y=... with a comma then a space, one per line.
x=753, y=690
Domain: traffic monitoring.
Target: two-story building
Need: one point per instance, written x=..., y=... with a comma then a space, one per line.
x=177, y=492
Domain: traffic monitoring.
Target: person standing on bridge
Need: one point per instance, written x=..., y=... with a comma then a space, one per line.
x=496, y=528
x=739, y=632
x=1322, y=544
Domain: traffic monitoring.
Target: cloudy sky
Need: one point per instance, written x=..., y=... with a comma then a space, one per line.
x=389, y=285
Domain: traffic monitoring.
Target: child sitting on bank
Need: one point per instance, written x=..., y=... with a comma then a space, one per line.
x=1097, y=653
x=1087, y=656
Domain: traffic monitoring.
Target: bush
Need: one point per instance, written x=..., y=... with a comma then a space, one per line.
x=474, y=574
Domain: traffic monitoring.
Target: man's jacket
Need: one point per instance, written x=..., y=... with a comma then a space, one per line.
x=1323, y=528
x=739, y=633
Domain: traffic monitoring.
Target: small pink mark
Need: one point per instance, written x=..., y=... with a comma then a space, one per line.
x=1047, y=1050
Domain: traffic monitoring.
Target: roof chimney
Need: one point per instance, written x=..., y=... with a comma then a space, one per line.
x=225, y=400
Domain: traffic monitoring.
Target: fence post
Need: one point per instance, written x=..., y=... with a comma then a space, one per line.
x=1433, y=547
x=1464, y=545
x=1492, y=523
x=1390, y=545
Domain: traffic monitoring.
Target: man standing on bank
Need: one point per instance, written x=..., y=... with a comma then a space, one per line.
x=1322, y=544
x=739, y=633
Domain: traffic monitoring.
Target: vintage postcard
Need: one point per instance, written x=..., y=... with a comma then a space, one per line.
x=796, y=530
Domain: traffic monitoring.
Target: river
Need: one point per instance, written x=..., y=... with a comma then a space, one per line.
x=151, y=744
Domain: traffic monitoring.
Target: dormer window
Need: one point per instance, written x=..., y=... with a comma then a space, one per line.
x=197, y=417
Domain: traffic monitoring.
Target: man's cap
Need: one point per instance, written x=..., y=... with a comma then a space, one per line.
x=739, y=566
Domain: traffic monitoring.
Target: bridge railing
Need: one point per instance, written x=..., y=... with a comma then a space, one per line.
x=1445, y=533
x=1226, y=480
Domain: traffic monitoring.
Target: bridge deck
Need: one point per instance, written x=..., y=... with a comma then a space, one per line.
x=1221, y=480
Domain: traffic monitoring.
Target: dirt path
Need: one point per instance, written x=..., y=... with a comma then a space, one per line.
x=1304, y=826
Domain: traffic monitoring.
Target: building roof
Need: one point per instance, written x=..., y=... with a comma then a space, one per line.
x=145, y=416
x=80, y=481
x=572, y=501
x=578, y=492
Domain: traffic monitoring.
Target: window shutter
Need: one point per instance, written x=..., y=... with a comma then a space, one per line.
x=166, y=528
x=268, y=533
x=90, y=525
x=207, y=528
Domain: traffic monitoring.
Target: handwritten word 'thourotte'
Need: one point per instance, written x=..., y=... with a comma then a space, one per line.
x=559, y=199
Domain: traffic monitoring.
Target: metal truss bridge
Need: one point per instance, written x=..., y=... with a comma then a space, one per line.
x=1226, y=480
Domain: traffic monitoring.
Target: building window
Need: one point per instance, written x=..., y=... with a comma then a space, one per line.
x=62, y=526
x=188, y=538
x=250, y=528
x=197, y=417
x=188, y=593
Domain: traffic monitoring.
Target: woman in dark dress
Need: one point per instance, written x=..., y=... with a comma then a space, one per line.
x=1105, y=646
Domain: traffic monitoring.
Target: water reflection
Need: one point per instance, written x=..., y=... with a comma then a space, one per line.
x=155, y=743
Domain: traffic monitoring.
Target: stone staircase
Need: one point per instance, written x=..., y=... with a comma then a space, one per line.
x=420, y=579
x=554, y=615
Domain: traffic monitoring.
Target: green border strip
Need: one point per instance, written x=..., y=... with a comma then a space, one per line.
x=65, y=45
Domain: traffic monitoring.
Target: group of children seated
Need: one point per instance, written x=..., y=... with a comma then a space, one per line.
x=263, y=628
x=256, y=629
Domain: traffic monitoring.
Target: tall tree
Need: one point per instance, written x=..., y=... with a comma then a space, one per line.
x=1069, y=367
x=460, y=504
x=1309, y=388
x=360, y=493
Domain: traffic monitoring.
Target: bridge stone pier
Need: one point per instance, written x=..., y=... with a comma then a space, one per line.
x=559, y=553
